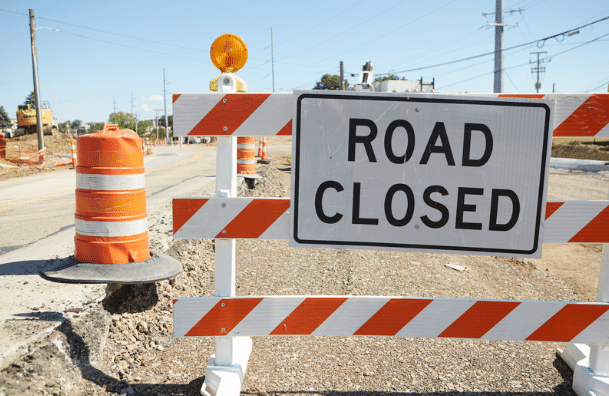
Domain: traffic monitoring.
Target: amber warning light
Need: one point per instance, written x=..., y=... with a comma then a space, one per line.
x=228, y=53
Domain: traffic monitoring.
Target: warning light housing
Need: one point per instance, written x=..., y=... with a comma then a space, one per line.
x=228, y=53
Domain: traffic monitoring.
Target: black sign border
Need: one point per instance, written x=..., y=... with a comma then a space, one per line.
x=414, y=99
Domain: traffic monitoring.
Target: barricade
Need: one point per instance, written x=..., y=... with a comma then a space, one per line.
x=111, y=223
x=229, y=218
x=22, y=156
x=232, y=320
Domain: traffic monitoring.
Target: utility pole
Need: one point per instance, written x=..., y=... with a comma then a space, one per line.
x=156, y=120
x=36, y=87
x=539, y=69
x=114, y=102
x=272, y=60
x=498, y=80
x=342, y=76
x=165, y=105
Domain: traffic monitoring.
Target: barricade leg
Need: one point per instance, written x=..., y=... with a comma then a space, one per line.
x=590, y=363
x=225, y=370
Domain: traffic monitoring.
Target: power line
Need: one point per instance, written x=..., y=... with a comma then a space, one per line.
x=108, y=32
x=543, y=40
x=524, y=64
x=129, y=46
x=378, y=37
x=595, y=88
x=356, y=26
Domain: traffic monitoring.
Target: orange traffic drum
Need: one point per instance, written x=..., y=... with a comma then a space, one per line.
x=111, y=219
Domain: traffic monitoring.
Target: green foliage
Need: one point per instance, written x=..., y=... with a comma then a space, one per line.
x=329, y=82
x=63, y=127
x=5, y=121
x=96, y=127
x=123, y=120
x=142, y=125
x=169, y=119
x=389, y=77
x=75, y=124
x=30, y=99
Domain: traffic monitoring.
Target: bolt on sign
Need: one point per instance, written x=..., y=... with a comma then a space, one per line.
x=420, y=172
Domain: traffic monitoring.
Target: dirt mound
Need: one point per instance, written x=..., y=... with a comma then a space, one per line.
x=582, y=150
x=23, y=150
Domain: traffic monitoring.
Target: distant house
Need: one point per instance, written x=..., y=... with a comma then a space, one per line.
x=83, y=129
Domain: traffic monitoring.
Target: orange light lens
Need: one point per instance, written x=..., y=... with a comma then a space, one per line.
x=228, y=53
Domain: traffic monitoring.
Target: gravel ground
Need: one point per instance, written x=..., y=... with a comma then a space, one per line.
x=125, y=344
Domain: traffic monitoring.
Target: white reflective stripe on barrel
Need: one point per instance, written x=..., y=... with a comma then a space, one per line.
x=86, y=181
x=111, y=228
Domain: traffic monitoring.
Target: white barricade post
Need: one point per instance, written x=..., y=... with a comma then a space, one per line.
x=471, y=182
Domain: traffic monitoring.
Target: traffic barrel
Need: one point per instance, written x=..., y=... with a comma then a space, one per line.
x=73, y=148
x=263, y=158
x=111, y=242
x=246, y=163
x=2, y=145
x=260, y=147
x=111, y=219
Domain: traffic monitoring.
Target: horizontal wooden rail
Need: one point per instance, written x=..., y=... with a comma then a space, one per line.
x=391, y=316
x=270, y=114
x=268, y=218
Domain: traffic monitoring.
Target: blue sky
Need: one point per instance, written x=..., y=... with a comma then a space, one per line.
x=108, y=52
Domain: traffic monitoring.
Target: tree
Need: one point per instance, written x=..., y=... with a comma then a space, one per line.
x=96, y=127
x=31, y=99
x=329, y=82
x=75, y=124
x=389, y=77
x=169, y=119
x=64, y=126
x=142, y=125
x=5, y=121
x=123, y=120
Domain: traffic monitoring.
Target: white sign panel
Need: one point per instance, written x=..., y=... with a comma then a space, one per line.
x=420, y=172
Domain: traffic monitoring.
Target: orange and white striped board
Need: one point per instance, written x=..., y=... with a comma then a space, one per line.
x=505, y=320
x=249, y=114
x=576, y=115
x=234, y=114
x=268, y=218
x=239, y=218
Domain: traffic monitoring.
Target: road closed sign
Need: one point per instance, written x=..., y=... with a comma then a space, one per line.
x=420, y=172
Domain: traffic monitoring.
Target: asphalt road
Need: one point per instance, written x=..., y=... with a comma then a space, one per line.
x=37, y=225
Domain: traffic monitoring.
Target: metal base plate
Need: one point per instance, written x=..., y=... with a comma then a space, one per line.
x=157, y=268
